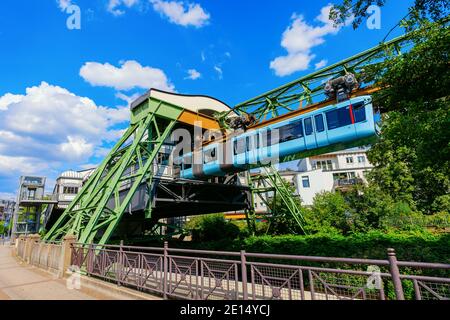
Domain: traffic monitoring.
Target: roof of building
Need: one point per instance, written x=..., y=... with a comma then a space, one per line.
x=352, y=150
x=197, y=103
x=71, y=174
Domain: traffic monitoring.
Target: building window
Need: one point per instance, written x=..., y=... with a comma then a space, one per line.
x=31, y=194
x=361, y=159
x=70, y=190
x=305, y=182
x=325, y=165
x=349, y=159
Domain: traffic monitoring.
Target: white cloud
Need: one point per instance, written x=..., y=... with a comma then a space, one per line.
x=64, y=4
x=322, y=63
x=193, y=74
x=299, y=39
x=128, y=99
x=129, y=75
x=219, y=71
x=7, y=196
x=179, y=13
x=78, y=147
x=287, y=65
x=22, y=165
x=50, y=126
x=9, y=99
x=113, y=6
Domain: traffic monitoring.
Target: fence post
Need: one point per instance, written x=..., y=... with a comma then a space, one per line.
x=32, y=239
x=395, y=273
x=120, y=264
x=66, y=254
x=244, y=275
x=165, y=262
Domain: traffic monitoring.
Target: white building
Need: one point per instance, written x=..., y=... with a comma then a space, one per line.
x=327, y=172
x=67, y=186
x=331, y=171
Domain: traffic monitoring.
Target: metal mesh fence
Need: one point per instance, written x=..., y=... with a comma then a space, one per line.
x=189, y=274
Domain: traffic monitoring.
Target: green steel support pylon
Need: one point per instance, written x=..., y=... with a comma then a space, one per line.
x=97, y=210
x=268, y=182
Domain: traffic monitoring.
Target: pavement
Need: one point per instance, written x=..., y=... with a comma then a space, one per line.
x=19, y=281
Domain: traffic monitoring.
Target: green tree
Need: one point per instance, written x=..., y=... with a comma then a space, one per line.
x=357, y=9
x=212, y=227
x=282, y=221
x=3, y=229
x=329, y=214
x=412, y=156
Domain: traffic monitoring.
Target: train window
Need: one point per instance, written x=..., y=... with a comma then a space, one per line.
x=249, y=143
x=291, y=131
x=359, y=112
x=210, y=155
x=187, y=163
x=266, y=138
x=239, y=146
x=319, y=123
x=338, y=118
x=308, y=126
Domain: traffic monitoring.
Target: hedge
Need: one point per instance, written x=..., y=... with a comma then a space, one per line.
x=424, y=247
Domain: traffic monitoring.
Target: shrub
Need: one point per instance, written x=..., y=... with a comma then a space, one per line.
x=212, y=228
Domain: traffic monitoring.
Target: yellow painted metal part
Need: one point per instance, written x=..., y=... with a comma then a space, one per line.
x=192, y=118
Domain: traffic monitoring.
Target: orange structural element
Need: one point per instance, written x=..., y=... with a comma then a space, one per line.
x=192, y=118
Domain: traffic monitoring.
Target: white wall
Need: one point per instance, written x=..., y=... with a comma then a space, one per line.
x=318, y=181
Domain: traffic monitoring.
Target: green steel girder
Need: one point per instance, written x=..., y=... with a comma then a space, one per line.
x=309, y=89
x=97, y=210
x=271, y=181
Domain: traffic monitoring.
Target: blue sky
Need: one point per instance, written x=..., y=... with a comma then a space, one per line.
x=64, y=93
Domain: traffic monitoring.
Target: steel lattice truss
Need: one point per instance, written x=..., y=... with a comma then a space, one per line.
x=96, y=211
x=269, y=184
x=309, y=89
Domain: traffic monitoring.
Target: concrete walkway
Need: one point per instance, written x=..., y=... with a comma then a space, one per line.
x=19, y=281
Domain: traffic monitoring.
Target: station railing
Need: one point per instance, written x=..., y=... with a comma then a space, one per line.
x=205, y=275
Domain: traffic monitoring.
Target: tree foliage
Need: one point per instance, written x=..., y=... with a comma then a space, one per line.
x=212, y=228
x=357, y=9
x=413, y=153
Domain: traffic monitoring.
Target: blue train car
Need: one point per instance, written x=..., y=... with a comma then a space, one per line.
x=334, y=127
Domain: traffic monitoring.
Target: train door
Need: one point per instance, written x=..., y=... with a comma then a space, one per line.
x=362, y=126
x=321, y=134
x=249, y=149
x=252, y=148
x=310, y=137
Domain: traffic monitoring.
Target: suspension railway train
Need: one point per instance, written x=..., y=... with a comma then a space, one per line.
x=335, y=127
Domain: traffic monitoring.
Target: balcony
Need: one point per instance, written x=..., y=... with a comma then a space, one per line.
x=343, y=184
